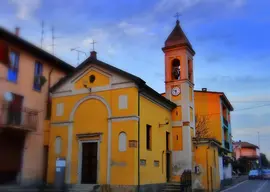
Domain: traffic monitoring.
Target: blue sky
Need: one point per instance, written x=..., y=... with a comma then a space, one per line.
x=230, y=37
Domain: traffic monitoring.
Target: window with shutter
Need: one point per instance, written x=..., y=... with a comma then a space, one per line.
x=14, y=67
x=37, y=75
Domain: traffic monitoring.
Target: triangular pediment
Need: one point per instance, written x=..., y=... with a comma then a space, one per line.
x=94, y=77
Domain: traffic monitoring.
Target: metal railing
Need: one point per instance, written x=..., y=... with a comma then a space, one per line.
x=18, y=117
x=227, y=145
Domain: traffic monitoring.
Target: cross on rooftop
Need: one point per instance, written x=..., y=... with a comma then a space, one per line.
x=177, y=15
x=93, y=43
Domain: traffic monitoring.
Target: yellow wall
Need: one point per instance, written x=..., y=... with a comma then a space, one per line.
x=177, y=138
x=153, y=114
x=92, y=117
x=124, y=175
x=177, y=114
x=58, y=131
x=208, y=162
x=208, y=104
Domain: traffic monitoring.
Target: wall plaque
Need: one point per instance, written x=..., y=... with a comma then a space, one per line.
x=132, y=143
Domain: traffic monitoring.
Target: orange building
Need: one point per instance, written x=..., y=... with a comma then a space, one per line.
x=212, y=113
x=26, y=73
x=215, y=108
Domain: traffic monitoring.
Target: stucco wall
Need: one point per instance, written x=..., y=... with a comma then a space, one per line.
x=206, y=157
x=32, y=167
x=247, y=152
x=153, y=114
x=208, y=105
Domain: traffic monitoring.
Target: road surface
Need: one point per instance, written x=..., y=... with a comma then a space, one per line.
x=250, y=186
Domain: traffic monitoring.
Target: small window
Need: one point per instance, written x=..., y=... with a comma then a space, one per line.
x=190, y=70
x=148, y=137
x=143, y=162
x=37, y=73
x=58, y=145
x=123, y=102
x=59, y=109
x=156, y=163
x=14, y=68
x=122, y=142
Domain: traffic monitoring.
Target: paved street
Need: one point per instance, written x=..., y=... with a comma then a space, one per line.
x=250, y=186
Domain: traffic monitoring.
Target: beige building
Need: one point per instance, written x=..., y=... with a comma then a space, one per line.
x=24, y=83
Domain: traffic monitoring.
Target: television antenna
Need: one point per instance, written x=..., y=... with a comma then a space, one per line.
x=53, y=39
x=78, y=53
x=42, y=34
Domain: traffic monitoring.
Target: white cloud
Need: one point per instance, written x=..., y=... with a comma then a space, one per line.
x=111, y=50
x=25, y=8
x=131, y=29
x=98, y=35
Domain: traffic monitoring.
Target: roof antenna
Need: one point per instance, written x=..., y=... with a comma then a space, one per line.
x=53, y=40
x=42, y=34
x=78, y=53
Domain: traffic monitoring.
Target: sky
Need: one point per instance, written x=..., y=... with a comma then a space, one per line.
x=230, y=37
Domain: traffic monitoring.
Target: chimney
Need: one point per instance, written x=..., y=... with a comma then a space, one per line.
x=17, y=31
x=93, y=54
x=204, y=89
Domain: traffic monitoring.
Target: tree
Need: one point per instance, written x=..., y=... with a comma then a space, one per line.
x=264, y=160
x=202, y=126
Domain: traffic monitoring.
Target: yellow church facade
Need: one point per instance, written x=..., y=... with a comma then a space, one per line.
x=107, y=117
x=113, y=129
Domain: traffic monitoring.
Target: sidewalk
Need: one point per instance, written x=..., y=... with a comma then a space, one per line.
x=235, y=180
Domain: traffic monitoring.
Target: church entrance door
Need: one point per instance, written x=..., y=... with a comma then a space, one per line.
x=89, y=163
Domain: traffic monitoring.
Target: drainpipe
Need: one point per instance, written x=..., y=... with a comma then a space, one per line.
x=207, y=174
x=48, y=96
x=139, y=122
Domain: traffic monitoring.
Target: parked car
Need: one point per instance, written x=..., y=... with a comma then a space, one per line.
x=254, y=174
x=266, y=173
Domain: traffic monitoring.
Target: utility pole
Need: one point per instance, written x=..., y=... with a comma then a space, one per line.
x=53, y=37
x=260, y=159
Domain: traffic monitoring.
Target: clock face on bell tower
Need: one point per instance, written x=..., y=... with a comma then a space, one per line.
x=176, y=91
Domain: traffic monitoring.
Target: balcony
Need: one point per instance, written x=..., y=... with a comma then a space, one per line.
x=227, y=145
x=18, y=118
x=225, y=122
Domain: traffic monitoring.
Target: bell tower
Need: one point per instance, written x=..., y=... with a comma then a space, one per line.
x=179, y=89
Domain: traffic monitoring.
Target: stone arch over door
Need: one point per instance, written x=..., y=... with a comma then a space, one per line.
x=70, y=134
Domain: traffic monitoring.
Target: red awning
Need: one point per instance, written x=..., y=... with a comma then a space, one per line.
x=4, y=53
